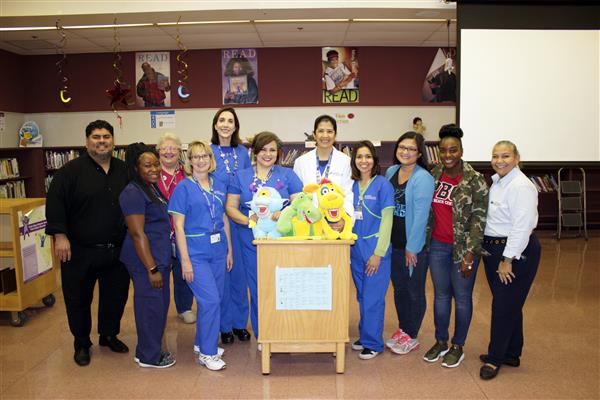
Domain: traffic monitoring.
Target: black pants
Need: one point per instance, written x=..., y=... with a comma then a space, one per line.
x=506, y=333
x=79, y=276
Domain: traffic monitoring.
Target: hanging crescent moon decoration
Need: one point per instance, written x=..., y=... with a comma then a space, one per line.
x=60, y=50
x=63, y=98
x=183, y=92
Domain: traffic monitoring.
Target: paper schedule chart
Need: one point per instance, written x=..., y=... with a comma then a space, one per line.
x=303, y=288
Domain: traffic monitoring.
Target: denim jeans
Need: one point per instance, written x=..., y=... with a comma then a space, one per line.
x=409, y=291
x=449, y=283
x=182, y=294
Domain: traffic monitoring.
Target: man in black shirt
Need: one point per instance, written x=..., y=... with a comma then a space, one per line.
x=84, y=216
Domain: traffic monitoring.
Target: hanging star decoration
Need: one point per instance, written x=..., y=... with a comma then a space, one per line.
x=120, y=94
x=62, y=78
x=182, y=90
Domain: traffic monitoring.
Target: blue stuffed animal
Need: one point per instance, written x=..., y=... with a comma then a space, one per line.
x=265, y=202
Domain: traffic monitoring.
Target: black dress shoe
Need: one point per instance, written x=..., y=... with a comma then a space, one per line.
x=511, y=362
x=82, y=356
x=242, y=334
x=114, y=344
x=488, y=372
x=227, y=337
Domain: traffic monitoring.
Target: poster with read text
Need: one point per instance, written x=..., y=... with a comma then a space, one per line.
x=340, y=80
x=239, y=68
x=36, y=246
x=152, y=74
x=439, y=85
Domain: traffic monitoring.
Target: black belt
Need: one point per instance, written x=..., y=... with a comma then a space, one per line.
x=494, y=240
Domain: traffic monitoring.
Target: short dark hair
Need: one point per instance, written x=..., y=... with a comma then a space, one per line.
x=262, y=139
x=417, y=137
x=451, y=130
x=235, y=138
x=98, y=124
x=332, y=53
x=417, y=119
x=376, y=170
x=325, y=118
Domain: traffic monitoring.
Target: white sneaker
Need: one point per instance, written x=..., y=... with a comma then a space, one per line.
x=188, y=317
x=406, y=347
x=220, y=350
x=214, y=363
x=367, y=354
x=259, y=347
x=357, y=346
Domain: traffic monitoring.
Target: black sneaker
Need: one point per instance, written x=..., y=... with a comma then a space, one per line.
x=357, y=346
x=367, y=354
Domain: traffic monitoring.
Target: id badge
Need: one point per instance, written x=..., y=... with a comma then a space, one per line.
x=173, y=250
x=215, y=238
x=358, y=215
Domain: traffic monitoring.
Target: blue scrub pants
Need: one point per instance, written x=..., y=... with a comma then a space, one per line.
x=207, y=286
x=150, y=307
x=181, y=292
x=370, y=293
x=234, y=306
x=249, y=257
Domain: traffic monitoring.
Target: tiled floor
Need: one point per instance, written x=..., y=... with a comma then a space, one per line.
x=561, y=358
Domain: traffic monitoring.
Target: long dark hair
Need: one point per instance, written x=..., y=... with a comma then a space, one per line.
x=235, y=138
x=417, y=137
x=376, y=170
x=133, y=152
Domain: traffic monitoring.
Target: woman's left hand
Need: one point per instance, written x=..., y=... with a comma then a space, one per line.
x=466, y=265
x=372, y=265
x=229, y=261
x=338, y=226
x=505, y=272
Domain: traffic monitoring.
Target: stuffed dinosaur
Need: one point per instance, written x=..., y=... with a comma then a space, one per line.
x=298, y=219
x=265, y=202
x=331, y=204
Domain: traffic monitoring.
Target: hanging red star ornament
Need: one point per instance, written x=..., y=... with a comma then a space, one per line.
x=119, y=95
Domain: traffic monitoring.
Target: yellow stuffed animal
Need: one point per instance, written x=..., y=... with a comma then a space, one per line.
x=331, y=204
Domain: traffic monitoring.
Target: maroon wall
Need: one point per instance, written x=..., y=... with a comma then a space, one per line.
x=12, y=93
x=389, y=76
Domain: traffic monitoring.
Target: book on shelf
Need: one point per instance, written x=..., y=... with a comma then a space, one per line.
x=13, y=190
x=56, y=159
x=9, y=168
x=544, y=183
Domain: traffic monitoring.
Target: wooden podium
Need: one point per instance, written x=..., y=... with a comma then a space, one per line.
x=303, y=330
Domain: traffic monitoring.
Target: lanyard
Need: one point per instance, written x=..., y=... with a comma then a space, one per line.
x=163, y=178
x=158, y=195
x=211, y=205
x=326, y=170
x=256, y=185
x=226, y=161
x=361, y=194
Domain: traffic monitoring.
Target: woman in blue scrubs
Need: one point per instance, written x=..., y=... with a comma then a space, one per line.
x=203, y=246
x=146, y=253
x=370, y=256
x=231, y=156
x=267, y=152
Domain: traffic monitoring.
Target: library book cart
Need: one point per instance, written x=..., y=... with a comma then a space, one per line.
x=23, y=287
x=303, y=298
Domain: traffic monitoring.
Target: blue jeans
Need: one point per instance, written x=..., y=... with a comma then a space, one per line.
x=181, y=292
x=409, y=291
x=449, y=283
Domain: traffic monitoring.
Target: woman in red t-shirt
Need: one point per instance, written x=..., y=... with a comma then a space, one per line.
x=456, y=227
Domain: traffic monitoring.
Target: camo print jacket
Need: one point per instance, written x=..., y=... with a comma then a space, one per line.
x=469, y=209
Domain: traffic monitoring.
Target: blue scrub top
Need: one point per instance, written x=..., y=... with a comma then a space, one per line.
x=379, y=195
x=283, y=179
x=228, y=151
x=188, y=200
x=157, y=228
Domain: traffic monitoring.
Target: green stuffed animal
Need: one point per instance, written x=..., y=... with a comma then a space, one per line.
x=297, y=220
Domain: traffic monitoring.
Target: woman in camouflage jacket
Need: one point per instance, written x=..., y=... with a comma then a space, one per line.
x=455, y=235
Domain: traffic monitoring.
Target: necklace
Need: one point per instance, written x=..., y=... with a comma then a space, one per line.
x=257, y=183
x=226, y=161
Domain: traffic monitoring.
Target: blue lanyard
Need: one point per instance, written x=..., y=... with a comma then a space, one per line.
x=211, y=205
x=326, y=171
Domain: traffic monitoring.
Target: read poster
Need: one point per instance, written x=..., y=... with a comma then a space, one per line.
x=340, y=75
x=36, y=246
x=152, y=74
x=240, y=76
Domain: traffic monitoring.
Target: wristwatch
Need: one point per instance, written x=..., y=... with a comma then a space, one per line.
x=154, y=269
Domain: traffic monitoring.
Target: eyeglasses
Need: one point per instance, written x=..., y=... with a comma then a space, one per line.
x=409, y=149
x=202, y=157
x=170, y=148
